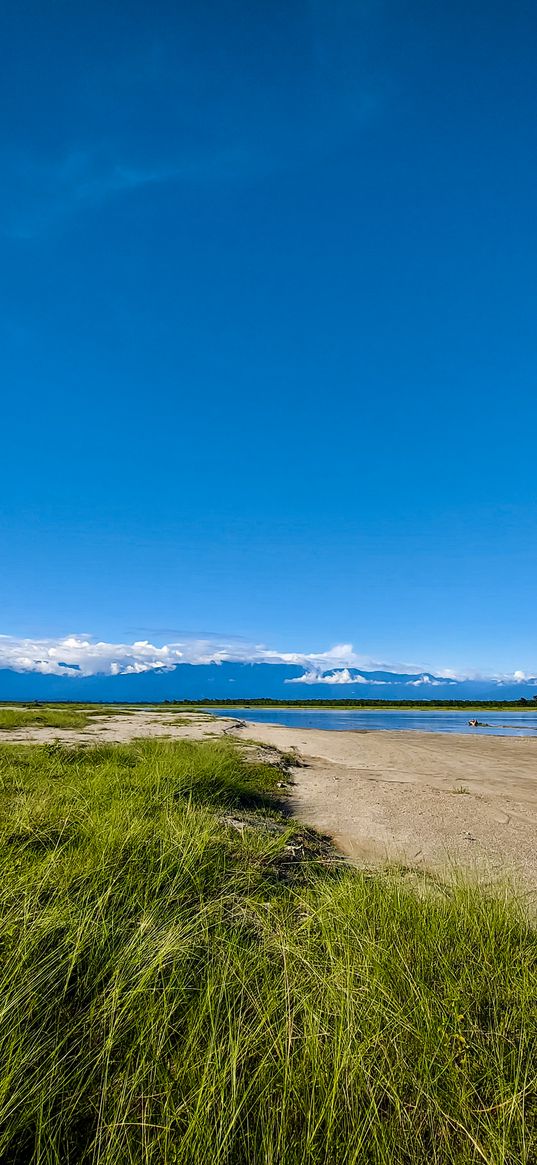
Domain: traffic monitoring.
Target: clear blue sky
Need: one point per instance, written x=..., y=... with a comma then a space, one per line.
x=268, y=313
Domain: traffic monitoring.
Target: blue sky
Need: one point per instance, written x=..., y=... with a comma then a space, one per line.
x=268, y=348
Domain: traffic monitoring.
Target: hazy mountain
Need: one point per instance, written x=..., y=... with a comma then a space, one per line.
x=252, y=680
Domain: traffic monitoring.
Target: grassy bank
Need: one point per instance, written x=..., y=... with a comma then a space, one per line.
x=188, y=978
x=77, y=716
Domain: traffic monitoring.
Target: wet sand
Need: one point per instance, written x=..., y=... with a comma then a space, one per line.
x=426, y=800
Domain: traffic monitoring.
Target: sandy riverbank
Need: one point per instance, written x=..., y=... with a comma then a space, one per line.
x=424, y=799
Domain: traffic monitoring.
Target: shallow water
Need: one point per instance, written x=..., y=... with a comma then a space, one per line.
x=495, y=723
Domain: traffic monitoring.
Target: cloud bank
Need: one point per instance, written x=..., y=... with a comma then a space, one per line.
x=78, y=655
x=84, y=656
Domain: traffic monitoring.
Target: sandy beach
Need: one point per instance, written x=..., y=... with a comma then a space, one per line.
x=426, y=800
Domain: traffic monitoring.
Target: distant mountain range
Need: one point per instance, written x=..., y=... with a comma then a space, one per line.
x=253, y=681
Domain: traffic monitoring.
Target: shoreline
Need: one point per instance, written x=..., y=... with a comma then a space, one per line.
x=477, y=731
x=392, y=731
x=391, y=707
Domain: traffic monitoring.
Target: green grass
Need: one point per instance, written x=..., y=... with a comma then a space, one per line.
x=186, y=978
x=53, y=715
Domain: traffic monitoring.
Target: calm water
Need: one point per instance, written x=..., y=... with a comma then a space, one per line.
x=497, y=723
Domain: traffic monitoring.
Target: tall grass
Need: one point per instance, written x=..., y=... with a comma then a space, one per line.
x=176, y=987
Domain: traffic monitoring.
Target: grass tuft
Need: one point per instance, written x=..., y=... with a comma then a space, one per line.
x=185, y=977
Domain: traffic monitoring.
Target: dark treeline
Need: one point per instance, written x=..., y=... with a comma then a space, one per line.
x=272, y=702
x=269, y=702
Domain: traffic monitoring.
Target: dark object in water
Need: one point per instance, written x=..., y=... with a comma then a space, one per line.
x=478, y=724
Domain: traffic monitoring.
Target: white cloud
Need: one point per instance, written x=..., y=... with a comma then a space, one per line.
x=89, y=657
x=342, y=676
x=80, y=655
x=76, y=655
x=338, y=677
